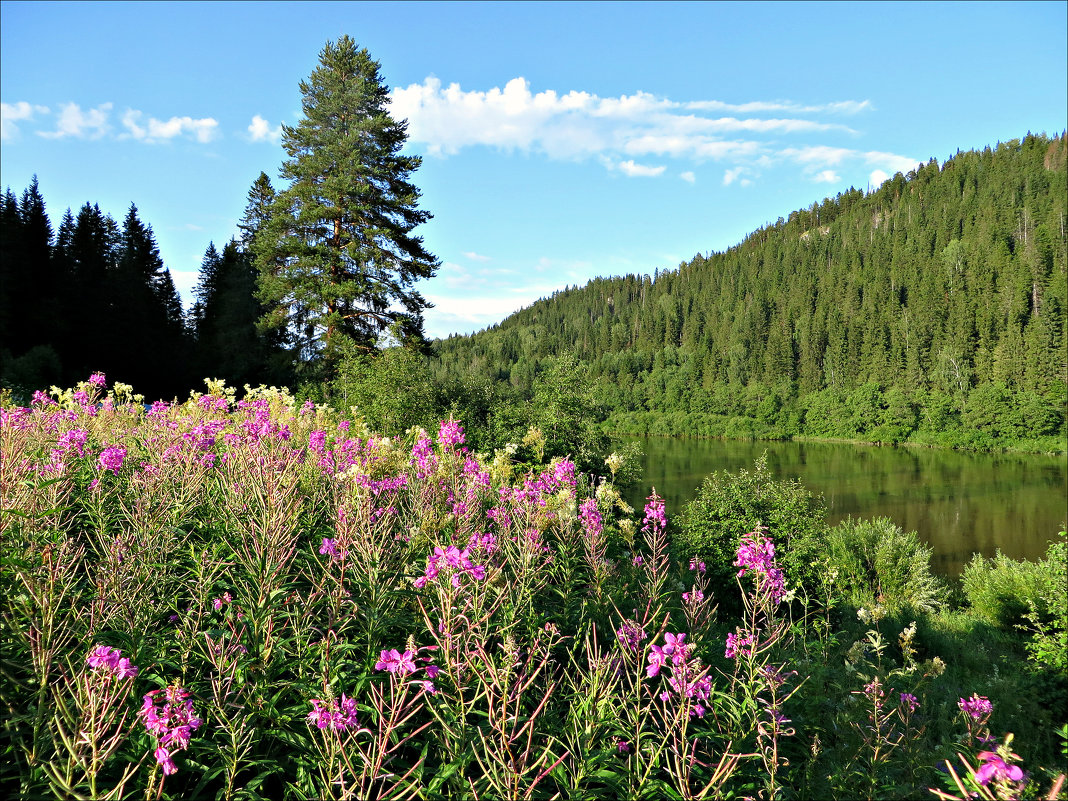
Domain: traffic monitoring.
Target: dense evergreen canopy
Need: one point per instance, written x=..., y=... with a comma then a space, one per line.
x=931, y=309
x=336, y=254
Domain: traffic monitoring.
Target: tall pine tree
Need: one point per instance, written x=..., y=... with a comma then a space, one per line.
x=337, y=256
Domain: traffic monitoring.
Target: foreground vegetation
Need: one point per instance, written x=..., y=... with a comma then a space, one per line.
x=258, y=599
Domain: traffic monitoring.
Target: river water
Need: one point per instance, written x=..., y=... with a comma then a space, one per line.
x=958, y=503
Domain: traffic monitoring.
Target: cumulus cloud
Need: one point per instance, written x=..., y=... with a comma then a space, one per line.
x=12, y=113
x=736, y=174
x=578, y=125
x=152, y=130
x=259, y=130
x=876, y=178
x=817, y=161
x=688, y=176
x=74, y=122
x=634, y=170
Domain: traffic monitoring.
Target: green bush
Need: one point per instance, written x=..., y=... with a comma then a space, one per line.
x=876, y=562
x=730, y=504
x=1048, y=617
x=1003, y=590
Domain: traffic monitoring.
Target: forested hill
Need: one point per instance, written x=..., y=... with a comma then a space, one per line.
x=932, y=310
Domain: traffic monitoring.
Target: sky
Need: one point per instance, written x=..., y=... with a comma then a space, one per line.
x=559, y=141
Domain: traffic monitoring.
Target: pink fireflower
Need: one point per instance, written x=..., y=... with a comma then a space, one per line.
x=338, y=714
x=450, y=433
x=111, y=458
x=756, y=552
x=977, y=707
x=110, y=661
x=171, y=724
x=996, y=769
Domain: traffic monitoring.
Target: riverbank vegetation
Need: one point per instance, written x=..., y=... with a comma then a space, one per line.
x=258, y=598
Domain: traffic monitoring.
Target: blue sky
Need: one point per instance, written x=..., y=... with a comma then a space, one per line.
x=560, y=141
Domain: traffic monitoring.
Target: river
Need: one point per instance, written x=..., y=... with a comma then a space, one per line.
x=959, y=503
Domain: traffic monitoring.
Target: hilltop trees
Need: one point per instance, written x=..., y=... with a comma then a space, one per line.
x=934, y=309
x=336, y=254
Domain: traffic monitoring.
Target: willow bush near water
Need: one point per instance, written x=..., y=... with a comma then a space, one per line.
x=307, y=610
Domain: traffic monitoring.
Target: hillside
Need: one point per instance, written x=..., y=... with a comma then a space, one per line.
x=931, y=310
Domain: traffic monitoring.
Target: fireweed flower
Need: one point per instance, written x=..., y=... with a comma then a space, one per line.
x=630, y=635
x=456, y=561
x=171, y=724
x=698, y=566
x=739, y=645
x=338, y=714
x=654, y=514
x=450, y=433
x=393, y=661
x=591, y=518
x=909, y=702
x=110, y=662
x=98, y=380
x=674, y=651
x=111, y=458
x=218, y=603
x=977, y=707
x=757, y=553
x=329, y=548
x=995, y=769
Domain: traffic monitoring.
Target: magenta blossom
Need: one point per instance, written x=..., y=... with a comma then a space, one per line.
x=674, y=651
x=393, y=661
x=450, y=433
x=110, y=661
x=337, y=714
x=977, y=707
x=172, y=723
x=739, y=645
x=111, y=458
x=995, y=768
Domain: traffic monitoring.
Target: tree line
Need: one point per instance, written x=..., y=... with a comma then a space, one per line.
x=323, y=269
x=931, y=310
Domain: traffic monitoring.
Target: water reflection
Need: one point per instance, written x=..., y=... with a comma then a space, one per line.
x=959, y=503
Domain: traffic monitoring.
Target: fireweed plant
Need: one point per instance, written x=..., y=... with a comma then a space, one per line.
x=254, y=598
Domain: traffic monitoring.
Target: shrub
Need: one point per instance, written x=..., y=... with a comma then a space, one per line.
x=875, y=561
x=1048, y=615
x=729, y=505
x=1002, y=590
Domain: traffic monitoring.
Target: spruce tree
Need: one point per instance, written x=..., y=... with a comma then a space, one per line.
x=337, y=257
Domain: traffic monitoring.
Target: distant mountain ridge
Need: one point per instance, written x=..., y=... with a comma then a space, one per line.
x=932, y=309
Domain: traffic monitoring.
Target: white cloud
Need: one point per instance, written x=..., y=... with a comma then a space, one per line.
x=876, y=178
x=154, y=130
x=841, y=107
x=72, y=121
x=259, y=130
x=633, y=170
x=470, y=254
x=11, y=113
x=817, y=161
x=579, y=125
x=688, y=176
x=736, y=174
x=891, y=161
